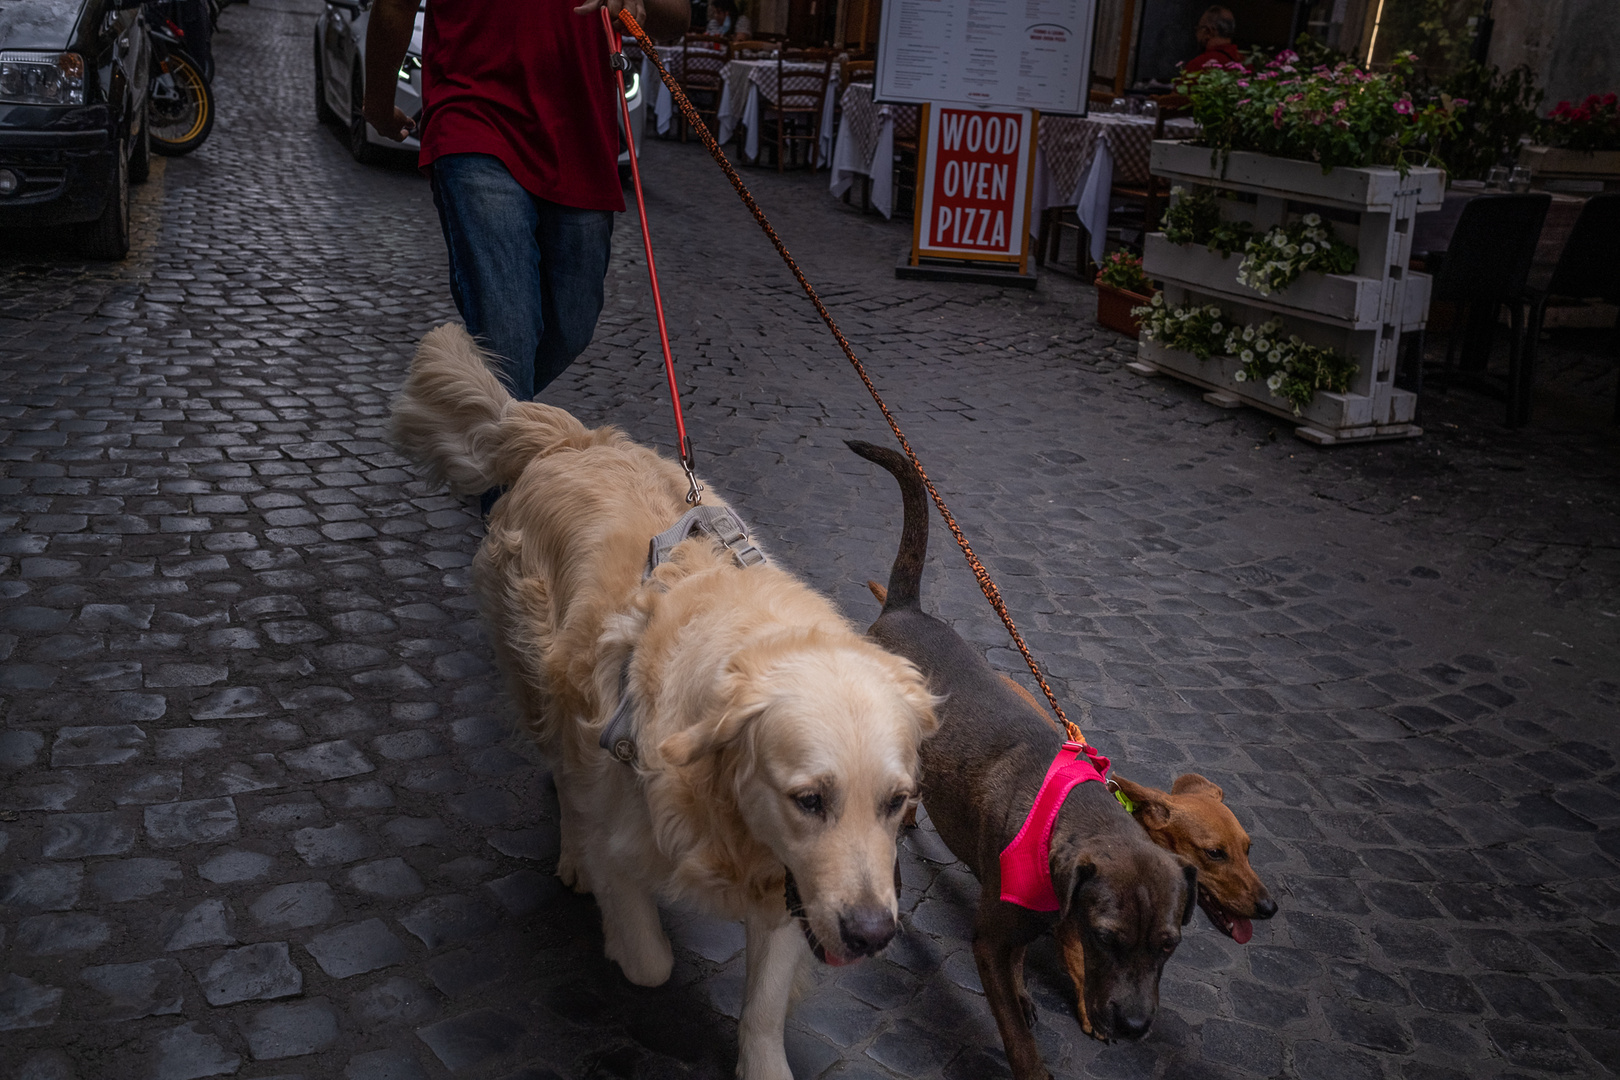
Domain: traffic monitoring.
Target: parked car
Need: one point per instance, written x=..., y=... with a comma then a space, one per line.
x=73, y=85
x=340, y=81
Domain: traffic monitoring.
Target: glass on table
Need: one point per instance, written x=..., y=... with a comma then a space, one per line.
x=1150, y=108
x=1118, y=105
x=1519, y=179
x=1497, y=178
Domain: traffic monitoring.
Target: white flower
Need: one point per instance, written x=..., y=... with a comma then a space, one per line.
x=1317, y=234
x=1178, y=190
x=1308, y=249
x=1215, y=329
x=1158, y=299
x=1313, y=220
x=1239, y=375
x=1274, y=382
x=1291, y=250
x=1262, y=345
x=1247, y=356
x=1278, y=240
x=1248, y=333
x=1213, y=311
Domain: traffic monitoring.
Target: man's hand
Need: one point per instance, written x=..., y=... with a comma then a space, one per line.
x=387, y=37
x=660, y=18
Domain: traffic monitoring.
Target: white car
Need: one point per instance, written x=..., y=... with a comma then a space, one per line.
x=340, y=81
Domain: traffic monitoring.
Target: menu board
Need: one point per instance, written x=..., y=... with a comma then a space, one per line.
x=1026, y=54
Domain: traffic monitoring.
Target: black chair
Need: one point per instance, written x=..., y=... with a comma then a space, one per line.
x=1588, y=268
x=1485, y=266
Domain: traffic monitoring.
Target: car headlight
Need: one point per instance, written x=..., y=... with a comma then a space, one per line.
x=42, y=78
x=409, y=67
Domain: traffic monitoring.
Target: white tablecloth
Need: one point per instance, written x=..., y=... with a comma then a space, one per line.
x=865, y=147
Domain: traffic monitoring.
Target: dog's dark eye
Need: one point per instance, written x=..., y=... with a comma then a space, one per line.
x=809, y=802
x=1216, y=854
x=896, y=804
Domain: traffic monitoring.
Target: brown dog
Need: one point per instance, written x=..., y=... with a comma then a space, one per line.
x=1120, y=896
x=1191, y=821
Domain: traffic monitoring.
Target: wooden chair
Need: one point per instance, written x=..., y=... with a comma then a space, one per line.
x=703, y=64
x=1586, y=269
x=855, y=71
x=907, y=134
x=800, y=99
x=752, y=49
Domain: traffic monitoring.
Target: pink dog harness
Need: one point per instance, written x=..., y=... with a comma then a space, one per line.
x=1026, y=863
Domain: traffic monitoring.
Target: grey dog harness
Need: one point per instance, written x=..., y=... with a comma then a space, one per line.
x=726, y=529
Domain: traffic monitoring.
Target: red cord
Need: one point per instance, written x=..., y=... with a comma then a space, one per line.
x=616, y=46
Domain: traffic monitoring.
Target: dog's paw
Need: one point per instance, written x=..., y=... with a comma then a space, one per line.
x=647, y=963
x=572, y=873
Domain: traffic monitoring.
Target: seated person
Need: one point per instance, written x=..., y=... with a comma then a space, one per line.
x=725, y=20
x=1215, y=30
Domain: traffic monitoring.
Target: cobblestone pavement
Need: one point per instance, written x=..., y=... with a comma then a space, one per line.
x=262, y=813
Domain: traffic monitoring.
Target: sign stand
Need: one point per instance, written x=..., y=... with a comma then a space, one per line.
x=975, y=174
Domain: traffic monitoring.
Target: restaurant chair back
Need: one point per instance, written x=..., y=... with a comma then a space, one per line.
x=1486, y=265
x=1588, y=267
x=703, y=64
x=801, y=93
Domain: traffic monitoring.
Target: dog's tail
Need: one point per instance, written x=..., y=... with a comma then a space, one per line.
x=455, y=417
x=905, y=578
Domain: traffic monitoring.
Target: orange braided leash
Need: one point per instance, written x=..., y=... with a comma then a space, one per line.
x=987, y=586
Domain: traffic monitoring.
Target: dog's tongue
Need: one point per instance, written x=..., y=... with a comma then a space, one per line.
x=1242, y=930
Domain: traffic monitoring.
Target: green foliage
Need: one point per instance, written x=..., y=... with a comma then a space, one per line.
x=1194, y=217
x=1291, y=369
x=1494, y=109
x=1274, y=261
x=1122, y=270
x=1198, y=330
x=1333, y=116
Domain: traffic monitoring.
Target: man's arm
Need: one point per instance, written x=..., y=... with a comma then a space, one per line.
x=388, y=36
x=660, y=18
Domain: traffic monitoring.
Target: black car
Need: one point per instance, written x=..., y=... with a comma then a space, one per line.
x=73, y=82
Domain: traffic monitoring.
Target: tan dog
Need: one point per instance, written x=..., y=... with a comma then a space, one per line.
x=774, y=745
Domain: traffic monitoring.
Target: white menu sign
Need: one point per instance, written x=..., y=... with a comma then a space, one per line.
x=1026, y=54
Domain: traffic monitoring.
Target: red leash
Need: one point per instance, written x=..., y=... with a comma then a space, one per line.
x=694, y=494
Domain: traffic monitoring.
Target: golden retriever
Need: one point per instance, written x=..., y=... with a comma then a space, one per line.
x=774, y=746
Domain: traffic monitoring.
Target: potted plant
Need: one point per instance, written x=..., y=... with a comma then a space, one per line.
x=1581, y=141
x=1291, y=224
x=1121, y=286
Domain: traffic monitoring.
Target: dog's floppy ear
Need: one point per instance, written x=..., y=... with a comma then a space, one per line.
x=1068, y=878
x=1151, y=809
x=700, y=740
x=1193, y=784
x=1191, y=873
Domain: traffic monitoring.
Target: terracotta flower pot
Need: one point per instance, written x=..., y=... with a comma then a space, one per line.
x=1114, y=309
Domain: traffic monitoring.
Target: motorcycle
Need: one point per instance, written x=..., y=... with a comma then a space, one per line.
x=180, y=100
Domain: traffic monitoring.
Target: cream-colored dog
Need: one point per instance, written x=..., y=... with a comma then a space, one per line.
x=774, y=745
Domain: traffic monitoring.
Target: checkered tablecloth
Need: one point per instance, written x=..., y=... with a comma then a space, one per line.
x=1068, y=144
x=860, y=124
x=761, y=75
x=865, y=147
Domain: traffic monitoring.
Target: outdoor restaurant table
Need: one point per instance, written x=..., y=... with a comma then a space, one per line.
x=1078, y=159
x=865, y=144
x=746, y=83
x=1431, y=234
x=663, y=101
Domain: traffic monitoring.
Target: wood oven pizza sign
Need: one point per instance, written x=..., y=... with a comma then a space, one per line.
x=975, y=189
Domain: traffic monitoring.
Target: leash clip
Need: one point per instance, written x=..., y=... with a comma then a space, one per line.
x=694, y=491
x=617, y=62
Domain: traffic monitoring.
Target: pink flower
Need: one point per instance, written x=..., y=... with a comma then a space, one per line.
x=1245, y=101
x=1610, y=99
x=1404, y=107
x=1235, y=66
x=1460, y=102
x=1276, y=118
x=1243, y=84
x=1342, y=123
x=1338, y=106
x=1287, y=56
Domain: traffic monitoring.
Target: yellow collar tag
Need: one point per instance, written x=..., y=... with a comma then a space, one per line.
x=1124, y=800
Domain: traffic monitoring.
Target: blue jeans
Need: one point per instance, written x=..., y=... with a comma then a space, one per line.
x=526, y=274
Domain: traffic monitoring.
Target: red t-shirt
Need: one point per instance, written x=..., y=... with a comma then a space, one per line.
x=1216, y=54
x=526, y=81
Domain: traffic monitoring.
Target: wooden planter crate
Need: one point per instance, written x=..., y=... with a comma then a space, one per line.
x=1360, y=315
x=1558, y=163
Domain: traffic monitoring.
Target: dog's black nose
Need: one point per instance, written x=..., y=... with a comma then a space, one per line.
x=865, y=931
x=1131, y=1027
x=1265, y=909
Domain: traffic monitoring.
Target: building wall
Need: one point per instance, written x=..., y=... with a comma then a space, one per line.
x=1572, y=46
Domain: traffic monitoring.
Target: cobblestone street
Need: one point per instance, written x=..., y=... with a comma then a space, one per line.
x=263, y=812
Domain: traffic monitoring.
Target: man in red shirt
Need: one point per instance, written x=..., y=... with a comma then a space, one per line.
x=520, y=138
x=1215, y=32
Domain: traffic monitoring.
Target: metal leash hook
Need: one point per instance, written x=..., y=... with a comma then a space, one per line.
x=617, y=61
